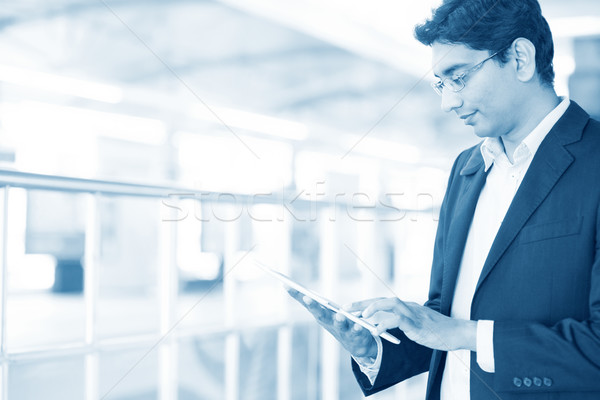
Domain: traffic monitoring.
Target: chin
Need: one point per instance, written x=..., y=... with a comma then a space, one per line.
x=480, y=133
x=483, y=133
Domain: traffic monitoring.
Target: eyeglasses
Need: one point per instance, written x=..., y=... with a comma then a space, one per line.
x=457, y=83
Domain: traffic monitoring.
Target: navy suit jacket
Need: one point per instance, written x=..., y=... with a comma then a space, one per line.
x=540, y=282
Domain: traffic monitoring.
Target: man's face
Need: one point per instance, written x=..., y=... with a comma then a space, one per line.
x=489, y=101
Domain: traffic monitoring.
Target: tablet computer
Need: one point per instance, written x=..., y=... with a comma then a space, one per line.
x=327, y=303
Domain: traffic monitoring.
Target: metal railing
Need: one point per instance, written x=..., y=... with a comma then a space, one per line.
x=165, y=340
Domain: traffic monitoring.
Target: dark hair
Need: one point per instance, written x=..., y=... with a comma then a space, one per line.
x=492, y=25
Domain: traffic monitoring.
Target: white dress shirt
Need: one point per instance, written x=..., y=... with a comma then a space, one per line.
x=501, y=185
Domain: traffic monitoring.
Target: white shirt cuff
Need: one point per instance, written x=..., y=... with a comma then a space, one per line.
x=485, y=345
x=369, y=367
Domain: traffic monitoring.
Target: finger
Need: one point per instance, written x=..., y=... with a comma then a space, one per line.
x=392, y=304
x=340, y=322
x=322, y=314
x=294, y=294
x=311, y=305
x=359, y=306
x=363, y=340
x=389, y=323
x=357, y=328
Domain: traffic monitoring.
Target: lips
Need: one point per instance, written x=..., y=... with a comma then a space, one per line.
x=467, y=117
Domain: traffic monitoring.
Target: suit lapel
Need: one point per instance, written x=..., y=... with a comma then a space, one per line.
x=548, y=165
x=474, y=176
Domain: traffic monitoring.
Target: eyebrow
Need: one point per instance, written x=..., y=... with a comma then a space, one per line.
x=450, y=70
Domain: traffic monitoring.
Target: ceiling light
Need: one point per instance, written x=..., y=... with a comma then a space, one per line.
x=74, y=122
x=251, y=121
x=389, y=150
x=61, y=84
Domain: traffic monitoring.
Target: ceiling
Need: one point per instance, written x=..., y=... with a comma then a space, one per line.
x=344, y=69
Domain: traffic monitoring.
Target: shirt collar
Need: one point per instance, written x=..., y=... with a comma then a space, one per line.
x=492, y=147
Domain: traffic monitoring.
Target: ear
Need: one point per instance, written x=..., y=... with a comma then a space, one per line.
x=525, y=59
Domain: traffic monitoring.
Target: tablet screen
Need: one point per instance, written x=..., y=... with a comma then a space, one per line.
x=325, y=302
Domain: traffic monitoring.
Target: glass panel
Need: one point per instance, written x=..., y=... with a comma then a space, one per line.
x=349, y=388
x=61, y=378
x=201, y=246
x=305, y=362
x=128, y=266
x=129, y=374
x=201, y=370
x=258, y=297
x=46, y=235
x=60, y=317
x=258, y=361
x=304, y=250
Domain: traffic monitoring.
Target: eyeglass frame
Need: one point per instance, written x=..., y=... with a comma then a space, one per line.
x=439, y=86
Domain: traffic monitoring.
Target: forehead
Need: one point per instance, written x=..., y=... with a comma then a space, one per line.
x=450, y=57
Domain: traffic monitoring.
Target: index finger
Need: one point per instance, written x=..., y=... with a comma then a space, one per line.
x=389, y=304
x=360, y=305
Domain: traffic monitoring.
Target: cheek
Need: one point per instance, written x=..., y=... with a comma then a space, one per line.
x=489, y=97
x=496, y=88
x=481, y=96
x=495, y=103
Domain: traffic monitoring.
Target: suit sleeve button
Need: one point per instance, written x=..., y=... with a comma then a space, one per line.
x=527, y=382
x=517, y=382
x=537, y=381
x=547, y=382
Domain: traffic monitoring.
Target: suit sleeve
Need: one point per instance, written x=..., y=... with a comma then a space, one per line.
x=403, y=361
x=563, y=357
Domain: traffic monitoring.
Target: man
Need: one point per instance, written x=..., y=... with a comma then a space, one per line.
x=514, y=301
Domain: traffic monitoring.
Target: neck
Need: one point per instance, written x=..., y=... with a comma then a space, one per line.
x=532, y=112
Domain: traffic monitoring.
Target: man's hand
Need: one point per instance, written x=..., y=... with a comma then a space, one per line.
x=419, y=323
x=357, y=340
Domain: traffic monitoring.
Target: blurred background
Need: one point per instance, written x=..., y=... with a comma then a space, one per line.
x=151, y=151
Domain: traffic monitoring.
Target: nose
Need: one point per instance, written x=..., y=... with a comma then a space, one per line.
x=450, y=100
